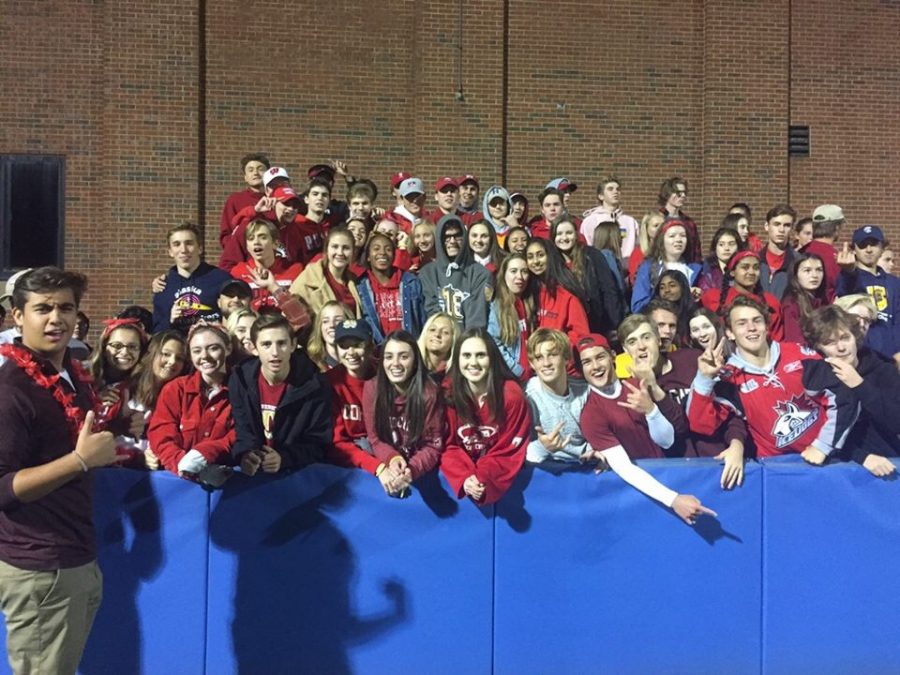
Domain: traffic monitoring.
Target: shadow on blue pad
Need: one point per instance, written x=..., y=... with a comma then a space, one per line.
x=605, y=580
x=321, y=572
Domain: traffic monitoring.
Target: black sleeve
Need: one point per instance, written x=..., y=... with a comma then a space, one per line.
x=315, y=418
x=246, y=437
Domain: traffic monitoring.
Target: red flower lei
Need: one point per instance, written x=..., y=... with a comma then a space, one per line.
x=25, y=360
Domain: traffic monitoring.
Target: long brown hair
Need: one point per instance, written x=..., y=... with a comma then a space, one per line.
x=505, y=302
x=146, y=384
x=462, y=399
x=414, y=408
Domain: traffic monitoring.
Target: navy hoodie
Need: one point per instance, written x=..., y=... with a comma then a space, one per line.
x=460, y=287
x=200, y=292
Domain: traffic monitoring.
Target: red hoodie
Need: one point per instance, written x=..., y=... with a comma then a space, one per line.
x=492, y=452
x=284, y=272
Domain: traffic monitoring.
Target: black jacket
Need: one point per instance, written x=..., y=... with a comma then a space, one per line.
x=606, y=303
x=303, y=425
x=872, y=408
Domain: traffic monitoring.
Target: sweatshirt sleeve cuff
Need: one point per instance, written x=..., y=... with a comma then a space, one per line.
x=702, y=384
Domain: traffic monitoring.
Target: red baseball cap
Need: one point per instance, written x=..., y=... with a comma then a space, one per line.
x=444, y=181
x=325, y=170
x=285, y=193
x=398, y=178
x=468, y=178
x=592, y=340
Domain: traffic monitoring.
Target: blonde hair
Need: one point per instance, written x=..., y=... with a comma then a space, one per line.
x=542, y=335
x=423, y=337
x=261, y=224
x=315, y=346
x=644, y=238
x=847, y=302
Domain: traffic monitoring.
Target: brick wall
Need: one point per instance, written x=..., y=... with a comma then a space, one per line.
x=704, y=89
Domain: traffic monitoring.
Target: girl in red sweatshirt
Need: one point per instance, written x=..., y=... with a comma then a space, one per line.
x=489, y=422
x=404, y=415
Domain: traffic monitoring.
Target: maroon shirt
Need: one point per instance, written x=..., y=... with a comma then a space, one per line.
x=56, y=531
x=605, y=424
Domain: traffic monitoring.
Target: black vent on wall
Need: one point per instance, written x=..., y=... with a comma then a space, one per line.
x=798, y=139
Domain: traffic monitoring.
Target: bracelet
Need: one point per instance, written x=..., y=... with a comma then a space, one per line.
x=84, y=466
x=380, y=469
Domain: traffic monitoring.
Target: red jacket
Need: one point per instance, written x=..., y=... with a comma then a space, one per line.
x=564, y=312
x=184, y=420
x=425, y=455
x=349, y=425
x=492, y=453
x=300, y=239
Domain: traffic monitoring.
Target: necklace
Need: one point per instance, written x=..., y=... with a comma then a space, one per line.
x=25, y=360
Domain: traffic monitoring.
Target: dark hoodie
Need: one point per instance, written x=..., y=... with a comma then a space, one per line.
x=462, y=287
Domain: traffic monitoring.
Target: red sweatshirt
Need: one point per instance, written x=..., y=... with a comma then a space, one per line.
x=185, y=420
x=492, y=453
x=300, y=240
x=425, y=455
x=564, y=312
x=349, y=425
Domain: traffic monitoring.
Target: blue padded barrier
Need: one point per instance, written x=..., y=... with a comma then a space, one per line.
x=152, y=530
x=831, y=552
x=603, y=579
x=321, y=572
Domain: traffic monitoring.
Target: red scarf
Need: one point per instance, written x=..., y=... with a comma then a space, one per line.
x=25, y=360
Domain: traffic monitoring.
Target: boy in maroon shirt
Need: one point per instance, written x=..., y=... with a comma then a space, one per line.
x=50, y=585
x=622, y=423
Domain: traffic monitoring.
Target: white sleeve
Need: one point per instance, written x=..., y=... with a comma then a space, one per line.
x=636, y=477
x=661, y=430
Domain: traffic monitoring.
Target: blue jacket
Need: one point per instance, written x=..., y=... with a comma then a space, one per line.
x=411, y=299
x=643, y=287
x=884, y=289
x=511, y=354
x=200, y=292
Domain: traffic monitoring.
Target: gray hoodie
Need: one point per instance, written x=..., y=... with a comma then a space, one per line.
x=461, y=287
x=548, y=410
x=492, y=193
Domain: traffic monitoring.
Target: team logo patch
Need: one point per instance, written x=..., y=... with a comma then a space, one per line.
x=793, y=367
x=793, y=420
x=748, y=386
x=807, y=351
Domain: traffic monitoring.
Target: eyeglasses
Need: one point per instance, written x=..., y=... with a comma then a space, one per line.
x=119, y=346
x=452, y=235
x=681, y=193
x=448, y=189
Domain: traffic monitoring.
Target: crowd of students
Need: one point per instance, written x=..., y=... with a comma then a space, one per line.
x=471, y=337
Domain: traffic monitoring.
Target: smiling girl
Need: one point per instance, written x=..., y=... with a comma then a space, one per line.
x=512, y=314
x=671, y=250
x=404, y=415
x=489, y=422
x=192, y=429
x=329, y=278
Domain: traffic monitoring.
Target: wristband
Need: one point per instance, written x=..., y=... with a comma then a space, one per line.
x=84, y=466
x=380, y=469
x=396, y=458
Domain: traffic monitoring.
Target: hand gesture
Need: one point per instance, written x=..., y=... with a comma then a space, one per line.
x=264, y=204
x=638, y=399
x=474, y=488
x=696, y=292
x=689, y=508
x=878, y=465
x=733, y=473
x=402, y=240
x=136, y=424
x=553, y=441
x=271, y=460
x=95, y=449
x=845, y=372
x=250, y=462
x=263, y=278
x=846, y=258
x=813, y=456
x=644, y=371
x=340, y=168
x=158, y=285
x=151, y=461
x=378, y=212
x=177, y=311
x=109, y=395
x=712, y=360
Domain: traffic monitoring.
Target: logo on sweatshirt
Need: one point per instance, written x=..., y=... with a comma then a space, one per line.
x=476, y=439
x=793, y=420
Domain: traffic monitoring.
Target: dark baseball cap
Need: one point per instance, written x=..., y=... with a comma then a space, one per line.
x=236, y=287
